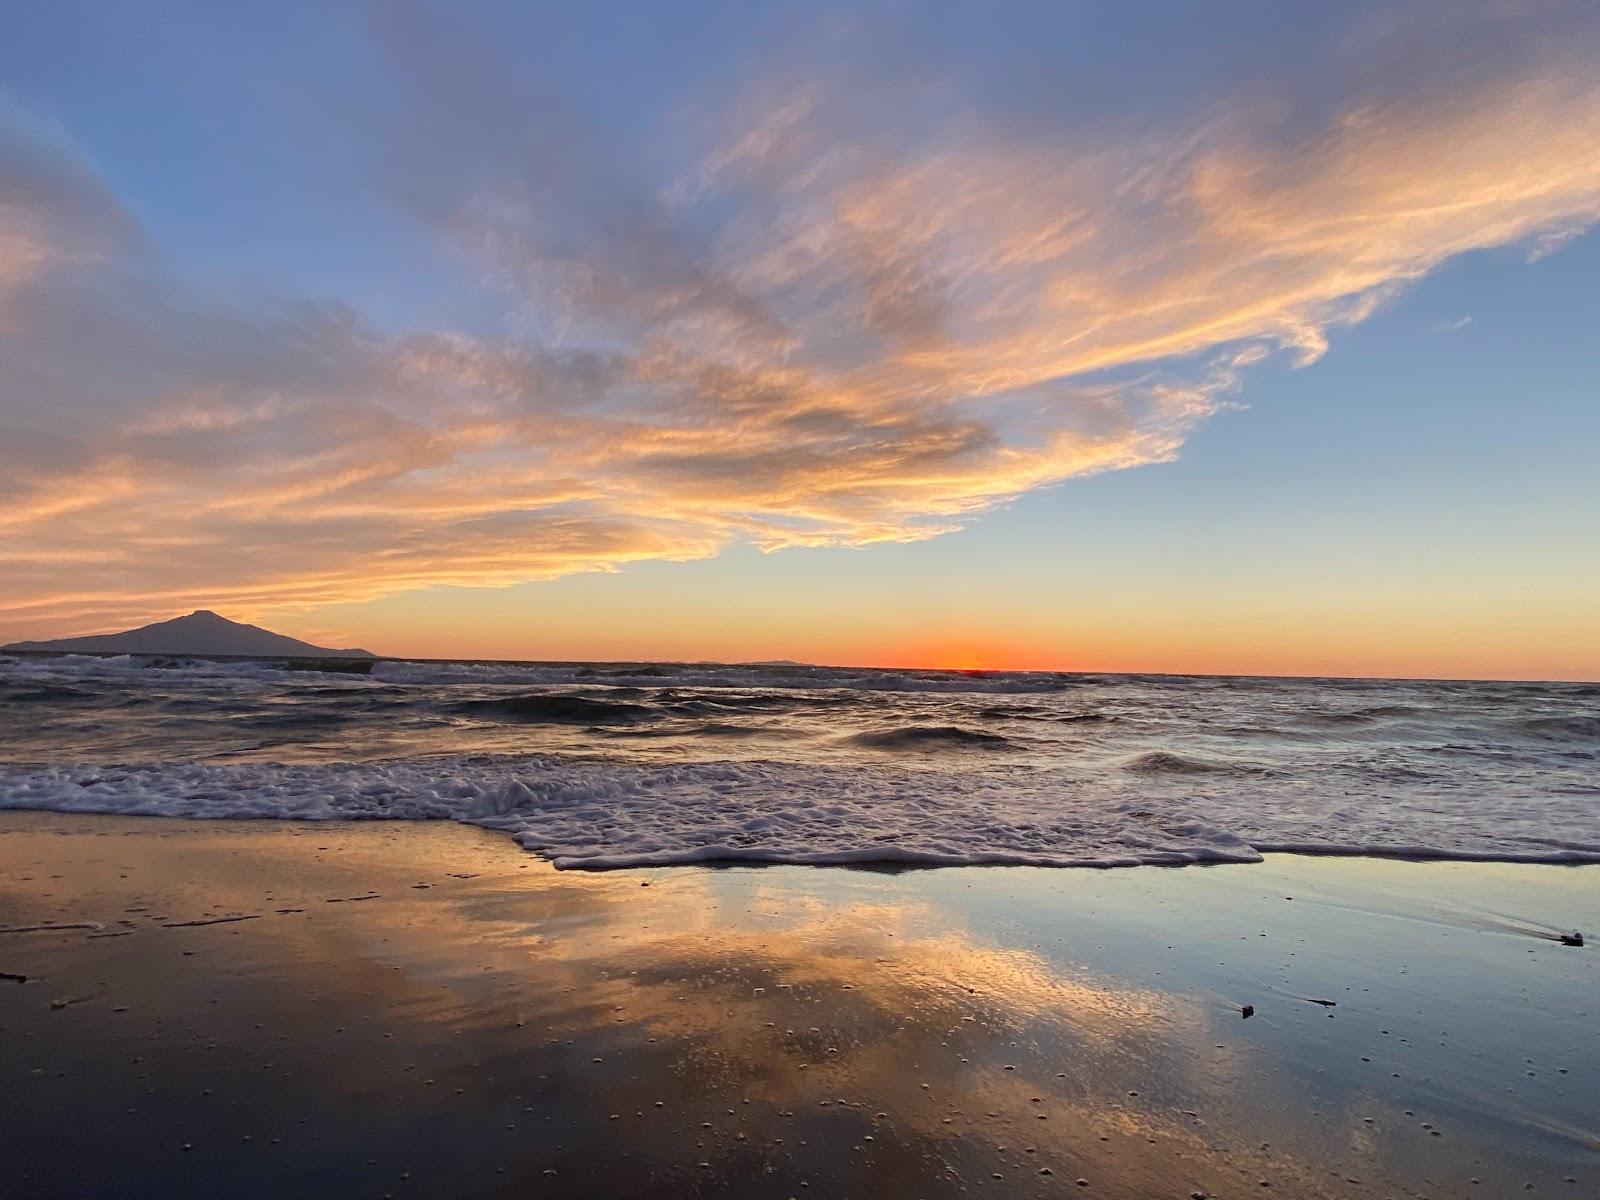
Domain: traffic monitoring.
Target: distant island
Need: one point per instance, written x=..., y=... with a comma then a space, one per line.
x=201, y=632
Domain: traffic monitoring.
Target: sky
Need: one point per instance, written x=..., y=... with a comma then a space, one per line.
x=1242, y=338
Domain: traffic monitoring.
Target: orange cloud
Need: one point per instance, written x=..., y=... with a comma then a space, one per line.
x=879, y=339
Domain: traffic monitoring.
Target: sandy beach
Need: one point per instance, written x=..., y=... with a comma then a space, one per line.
x=768, y=601
x=424, y=1009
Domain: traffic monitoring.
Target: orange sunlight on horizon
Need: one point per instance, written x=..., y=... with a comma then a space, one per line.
x=589, y=621
x=969, y=654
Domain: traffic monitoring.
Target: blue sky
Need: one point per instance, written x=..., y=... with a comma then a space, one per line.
x=1071, y=335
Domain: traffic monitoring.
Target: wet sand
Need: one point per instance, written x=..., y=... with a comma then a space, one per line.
x=426, y=1010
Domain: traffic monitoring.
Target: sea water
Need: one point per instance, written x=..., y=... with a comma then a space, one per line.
x=626, y=764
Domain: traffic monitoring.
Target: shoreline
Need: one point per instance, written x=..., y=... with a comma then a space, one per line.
x=864, y=858
x=424, y=1008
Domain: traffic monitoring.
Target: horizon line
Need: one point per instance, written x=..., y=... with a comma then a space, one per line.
x=14, y=650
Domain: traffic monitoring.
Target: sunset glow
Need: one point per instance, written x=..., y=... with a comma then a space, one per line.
x=818, y=354
x=737, y=599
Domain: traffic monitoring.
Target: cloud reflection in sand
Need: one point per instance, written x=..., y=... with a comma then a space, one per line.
x=778, y=1026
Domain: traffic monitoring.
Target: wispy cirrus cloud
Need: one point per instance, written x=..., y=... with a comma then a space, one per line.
x=836, y=323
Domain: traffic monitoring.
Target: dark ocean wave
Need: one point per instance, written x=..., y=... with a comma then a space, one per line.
x=1162, y=762
x=1558, y=727
x=931, y=737
x=48, y=693
x=542, y=709
x=366, y=693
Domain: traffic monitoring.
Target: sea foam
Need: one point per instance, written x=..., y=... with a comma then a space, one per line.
x=595, y=815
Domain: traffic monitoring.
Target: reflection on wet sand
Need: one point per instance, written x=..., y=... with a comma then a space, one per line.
x=426, y=1010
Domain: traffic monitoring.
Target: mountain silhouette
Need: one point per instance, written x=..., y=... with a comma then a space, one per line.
x=201, y=632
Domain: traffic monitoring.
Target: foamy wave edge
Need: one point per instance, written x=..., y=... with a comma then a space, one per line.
x=597, y=816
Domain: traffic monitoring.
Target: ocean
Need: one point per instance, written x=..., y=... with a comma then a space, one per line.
x=628, y=764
